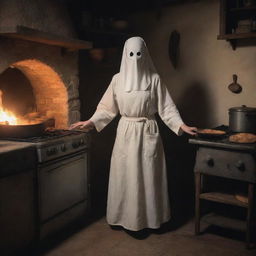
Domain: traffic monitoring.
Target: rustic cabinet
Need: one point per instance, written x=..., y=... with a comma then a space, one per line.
x=238, y=21
x=17, y=217
x=228, y=161
x=17, y=199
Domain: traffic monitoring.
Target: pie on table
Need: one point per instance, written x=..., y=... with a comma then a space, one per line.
x=243, y=138
x=211, y=131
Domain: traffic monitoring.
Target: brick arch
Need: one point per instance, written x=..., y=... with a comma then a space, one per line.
x=49, y=90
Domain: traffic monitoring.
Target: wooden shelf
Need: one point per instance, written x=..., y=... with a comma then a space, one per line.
x=230, y=16
x=225, y=222
x=237, y=36
x=38, y=36
x=232, y=38
x=223, y=198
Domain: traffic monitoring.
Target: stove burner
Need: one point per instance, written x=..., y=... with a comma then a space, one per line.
x=46, y=136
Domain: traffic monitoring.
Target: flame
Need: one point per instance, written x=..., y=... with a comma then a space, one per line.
x=7, y=117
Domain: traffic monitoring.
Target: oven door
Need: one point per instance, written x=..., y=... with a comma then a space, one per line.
x=62, y=184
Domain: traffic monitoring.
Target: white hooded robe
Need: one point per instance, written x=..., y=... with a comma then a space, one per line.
x=138, y=191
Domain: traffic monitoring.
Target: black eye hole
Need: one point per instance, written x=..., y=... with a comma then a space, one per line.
x=131, y=54
x=138, y=53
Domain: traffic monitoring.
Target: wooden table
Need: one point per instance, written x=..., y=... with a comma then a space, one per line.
x=228, y=160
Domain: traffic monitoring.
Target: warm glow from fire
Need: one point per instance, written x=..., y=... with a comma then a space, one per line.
x=7, y=117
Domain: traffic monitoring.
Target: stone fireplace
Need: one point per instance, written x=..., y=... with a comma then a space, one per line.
x=51, y=96
x=45, y=52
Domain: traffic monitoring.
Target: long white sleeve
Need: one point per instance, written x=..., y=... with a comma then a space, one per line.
x=167, y=109
x=107, y=108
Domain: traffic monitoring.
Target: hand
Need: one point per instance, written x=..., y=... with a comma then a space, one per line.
x=188, y=129
x=83, y=125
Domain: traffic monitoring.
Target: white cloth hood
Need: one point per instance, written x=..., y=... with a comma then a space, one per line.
x=137, y=68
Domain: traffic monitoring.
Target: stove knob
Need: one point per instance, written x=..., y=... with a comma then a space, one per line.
x=75, y=144
x=63, y=148
x=240, y=165
x=51, y=151
x=210, y=161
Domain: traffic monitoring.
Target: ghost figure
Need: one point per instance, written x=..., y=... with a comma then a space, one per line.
x=137, y=192
x=136, y=66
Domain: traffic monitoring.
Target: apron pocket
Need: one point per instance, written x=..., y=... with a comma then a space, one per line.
x=151, y=144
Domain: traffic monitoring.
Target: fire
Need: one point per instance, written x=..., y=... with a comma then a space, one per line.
x=7, y=117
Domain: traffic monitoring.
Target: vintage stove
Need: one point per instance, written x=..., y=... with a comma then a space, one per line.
x=57, y=143
x=62, y=178
x=222, y=158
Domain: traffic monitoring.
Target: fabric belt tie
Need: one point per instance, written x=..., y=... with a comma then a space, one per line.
x=150, y=122
x=136, y=119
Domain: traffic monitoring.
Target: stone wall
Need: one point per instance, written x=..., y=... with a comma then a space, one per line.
x=45, y=15
x=52, y=73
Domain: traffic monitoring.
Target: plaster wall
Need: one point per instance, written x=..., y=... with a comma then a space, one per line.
x=206, y=65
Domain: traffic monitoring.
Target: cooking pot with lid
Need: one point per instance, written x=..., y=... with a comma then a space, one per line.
x=242, y=119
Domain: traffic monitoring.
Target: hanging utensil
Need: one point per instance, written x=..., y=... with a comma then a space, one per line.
x=235, y=87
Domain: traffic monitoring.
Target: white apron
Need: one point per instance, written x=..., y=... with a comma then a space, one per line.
x=138, y=191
